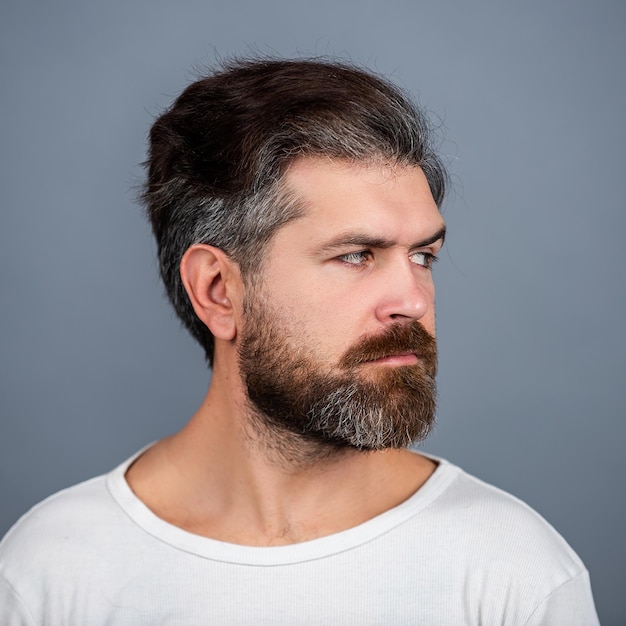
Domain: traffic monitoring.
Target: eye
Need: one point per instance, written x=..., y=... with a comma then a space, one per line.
x=355, y=258
x=424, y=259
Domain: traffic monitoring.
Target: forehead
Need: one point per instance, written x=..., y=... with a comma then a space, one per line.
x=381, y=200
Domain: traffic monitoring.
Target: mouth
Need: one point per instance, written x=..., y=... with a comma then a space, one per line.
x=403, y=358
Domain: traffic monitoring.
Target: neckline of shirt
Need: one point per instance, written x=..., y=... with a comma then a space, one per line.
x=321, y=547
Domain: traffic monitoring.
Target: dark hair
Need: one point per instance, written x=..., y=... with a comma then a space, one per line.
x=217, y=156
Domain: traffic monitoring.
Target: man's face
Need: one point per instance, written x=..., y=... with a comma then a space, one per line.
x=338, y=337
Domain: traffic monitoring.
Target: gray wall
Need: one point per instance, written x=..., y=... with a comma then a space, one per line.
x=531, y=289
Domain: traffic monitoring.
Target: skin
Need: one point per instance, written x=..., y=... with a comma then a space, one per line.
x=356, y=261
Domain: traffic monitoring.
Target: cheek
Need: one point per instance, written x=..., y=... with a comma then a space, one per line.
x=428, y=322
x=428, y=319
x=328, y=323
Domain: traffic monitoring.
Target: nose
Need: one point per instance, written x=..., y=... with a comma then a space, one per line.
x=405, y=292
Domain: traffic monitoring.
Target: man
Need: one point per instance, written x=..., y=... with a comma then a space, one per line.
x=295, y=206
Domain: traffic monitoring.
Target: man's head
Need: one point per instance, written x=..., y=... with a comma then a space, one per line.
x=219, y=156
x=336, y=343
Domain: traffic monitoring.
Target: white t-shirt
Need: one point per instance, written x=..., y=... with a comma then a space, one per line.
x=457, y=552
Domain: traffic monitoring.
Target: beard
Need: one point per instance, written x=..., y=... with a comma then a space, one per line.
x=291, y=391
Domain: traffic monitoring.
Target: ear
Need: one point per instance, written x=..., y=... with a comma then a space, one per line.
x=213, y=283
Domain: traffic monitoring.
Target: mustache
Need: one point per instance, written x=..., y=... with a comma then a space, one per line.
x=397, y=339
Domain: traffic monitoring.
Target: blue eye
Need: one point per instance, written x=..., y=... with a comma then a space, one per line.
x=424, y=259
x=355, y=258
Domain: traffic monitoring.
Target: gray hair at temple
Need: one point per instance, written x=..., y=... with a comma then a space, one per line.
x=218, y=156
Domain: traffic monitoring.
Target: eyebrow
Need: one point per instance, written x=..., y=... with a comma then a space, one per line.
x=367, y=241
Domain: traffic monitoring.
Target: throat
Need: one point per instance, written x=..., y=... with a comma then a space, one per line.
x=289, y=451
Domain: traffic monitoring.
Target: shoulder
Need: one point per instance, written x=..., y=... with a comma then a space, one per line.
x=485, y=501
x=499, y=533
x=67, y=531
x=59, y=521
x=91, y=509
x=60, y=550
x=496, y=552
x=56, y=560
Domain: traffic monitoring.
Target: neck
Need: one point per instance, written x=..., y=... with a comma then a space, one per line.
x=286, y=450
x=227, y=476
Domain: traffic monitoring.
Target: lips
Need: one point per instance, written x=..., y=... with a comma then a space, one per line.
x=402, y=358
x=401, y=344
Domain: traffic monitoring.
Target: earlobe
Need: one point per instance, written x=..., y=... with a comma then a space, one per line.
x=211, y=279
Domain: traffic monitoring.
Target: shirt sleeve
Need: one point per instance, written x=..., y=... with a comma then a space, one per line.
x=571, y=604
x=13, y=611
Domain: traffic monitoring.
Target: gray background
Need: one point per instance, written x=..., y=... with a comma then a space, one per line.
x=530, y=98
